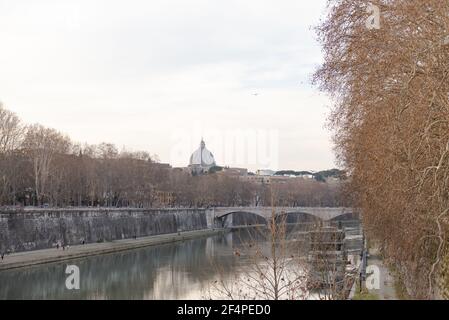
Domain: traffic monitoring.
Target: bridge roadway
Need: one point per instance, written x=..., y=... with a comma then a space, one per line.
x=322, y=213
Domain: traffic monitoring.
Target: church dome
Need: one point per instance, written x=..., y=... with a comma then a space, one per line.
x=202, y=157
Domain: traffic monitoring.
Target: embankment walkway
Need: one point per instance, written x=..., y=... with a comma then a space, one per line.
x=387, y=290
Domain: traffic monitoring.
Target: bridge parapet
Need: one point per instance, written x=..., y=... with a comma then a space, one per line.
x=322, y=213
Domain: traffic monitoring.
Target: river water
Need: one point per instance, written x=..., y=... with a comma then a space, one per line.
x=183, y=270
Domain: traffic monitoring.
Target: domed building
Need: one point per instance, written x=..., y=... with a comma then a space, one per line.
x=201, y=160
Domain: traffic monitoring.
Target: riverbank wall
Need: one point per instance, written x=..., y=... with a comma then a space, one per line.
x=38, y=229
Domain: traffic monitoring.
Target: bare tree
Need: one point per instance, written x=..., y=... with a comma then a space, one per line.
x=42, y=144
x=391, y=122
x=65, y=174
x=11, y=135
x=11, y=131
x=276, y=266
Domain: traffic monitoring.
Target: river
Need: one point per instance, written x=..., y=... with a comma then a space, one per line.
x=183, y=270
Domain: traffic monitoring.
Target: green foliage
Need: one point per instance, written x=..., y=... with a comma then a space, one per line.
x=292, y=173
x=215, y=169
x=331, y=173
x=320, y=176
x=365, y=295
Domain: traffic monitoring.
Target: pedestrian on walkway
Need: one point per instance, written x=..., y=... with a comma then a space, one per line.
x=3, y=255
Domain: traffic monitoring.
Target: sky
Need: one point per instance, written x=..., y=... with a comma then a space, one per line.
x=160, y=75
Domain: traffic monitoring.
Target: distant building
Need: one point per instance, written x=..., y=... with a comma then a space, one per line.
x=265, y=172
x=201, y=160
x=261, y=180
x=164, y=198
x=295, y=176
x=274, y=179
x=306, y=176
x=233, y=172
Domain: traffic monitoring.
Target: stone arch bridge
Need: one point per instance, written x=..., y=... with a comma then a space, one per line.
x=321, y=213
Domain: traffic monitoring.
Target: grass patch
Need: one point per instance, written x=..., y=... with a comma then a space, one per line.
x=364, y=295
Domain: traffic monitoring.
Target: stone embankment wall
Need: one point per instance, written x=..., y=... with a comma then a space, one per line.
x=43, y=228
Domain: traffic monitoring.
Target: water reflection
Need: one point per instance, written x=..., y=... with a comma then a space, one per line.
x=174, y=271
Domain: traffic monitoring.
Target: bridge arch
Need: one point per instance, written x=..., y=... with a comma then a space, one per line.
x=242, y=218
x=347, y=220
x=297, y=217
x=346, y=217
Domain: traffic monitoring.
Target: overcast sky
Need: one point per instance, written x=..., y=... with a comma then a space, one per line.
x=158, y=75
